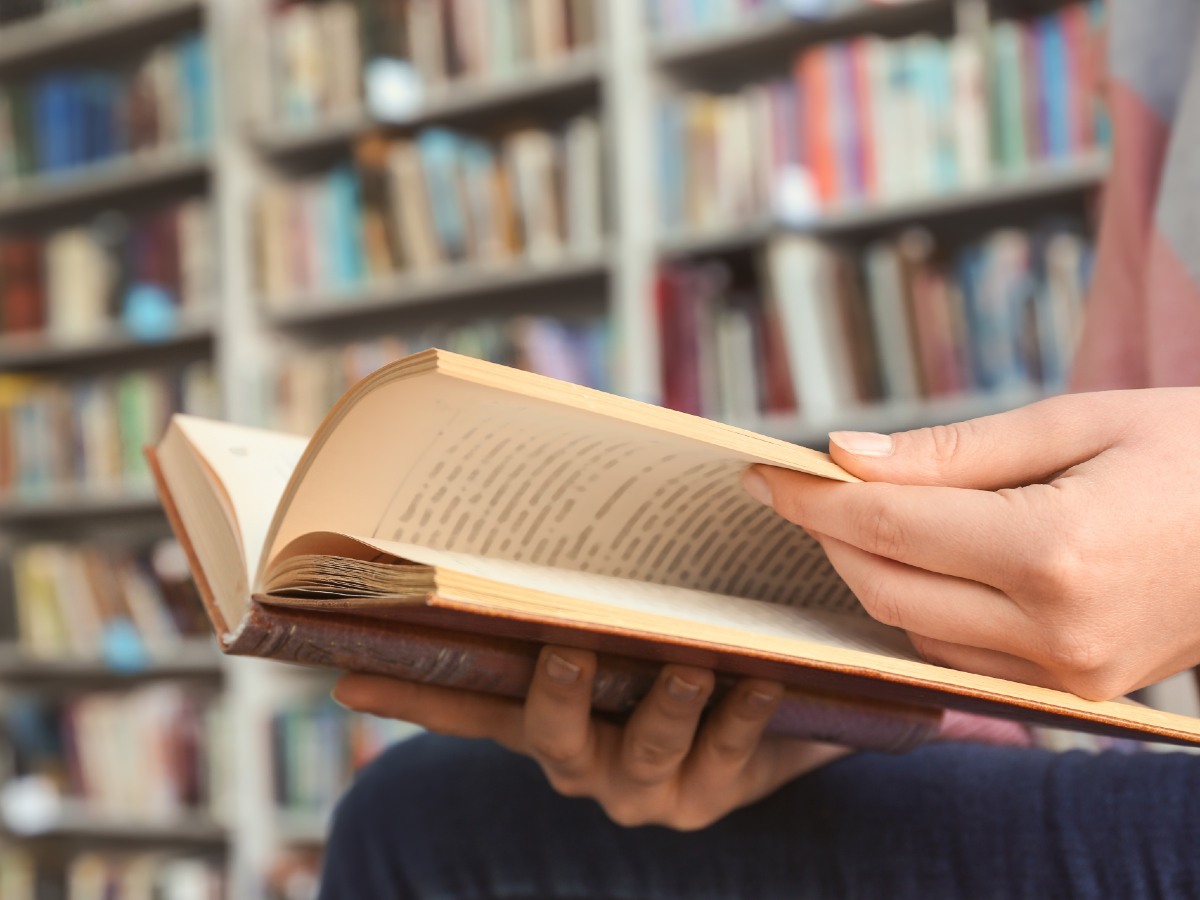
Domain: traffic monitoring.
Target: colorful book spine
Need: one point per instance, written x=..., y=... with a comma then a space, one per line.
x=819, y=331
x=60, y=120
x=878, y=120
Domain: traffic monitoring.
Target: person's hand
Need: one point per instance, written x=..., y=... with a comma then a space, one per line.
x=664, y=766
x=1058, y=544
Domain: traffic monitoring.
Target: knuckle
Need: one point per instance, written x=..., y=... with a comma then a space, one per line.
x=568, y=785
x=628, y=811
x=878, y=597
x=881, y=527
x=561, y=752
x=1058, y=571
x=647, y=760
x=944, y=442
x=1087, y=662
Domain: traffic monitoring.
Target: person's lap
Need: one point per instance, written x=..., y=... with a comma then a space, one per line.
x=445, y=818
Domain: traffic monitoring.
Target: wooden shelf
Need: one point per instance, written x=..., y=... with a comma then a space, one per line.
x=893, y=417
x=1040, y=182
x=577, y=74
x=76, y=822
x=35, y=350
x=78, y=503
x=774, y=32
x=193, y=657
x=458, y=283
x=101, y=182
x=55, y=33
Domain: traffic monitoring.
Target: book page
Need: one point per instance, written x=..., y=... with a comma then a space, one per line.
x=624, y=601
x=252, y=467
x=451, y=465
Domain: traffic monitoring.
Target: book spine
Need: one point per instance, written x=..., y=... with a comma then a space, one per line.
x=505, y=668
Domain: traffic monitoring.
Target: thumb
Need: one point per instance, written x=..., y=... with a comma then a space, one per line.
x=1011, y=449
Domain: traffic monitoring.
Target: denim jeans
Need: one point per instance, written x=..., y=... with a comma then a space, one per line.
x=445, y=818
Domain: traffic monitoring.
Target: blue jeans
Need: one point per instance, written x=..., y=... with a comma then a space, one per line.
x=444, y=818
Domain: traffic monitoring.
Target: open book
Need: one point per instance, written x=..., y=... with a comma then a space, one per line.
x=450, y=516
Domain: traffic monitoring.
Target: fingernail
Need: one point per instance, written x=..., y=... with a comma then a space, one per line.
x=760, y=699
x=682, y=690
x=560, y=670
x=756, y=486
x=342, y=697
x=864, y=443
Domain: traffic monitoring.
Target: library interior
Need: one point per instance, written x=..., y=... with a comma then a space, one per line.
x=792, y=216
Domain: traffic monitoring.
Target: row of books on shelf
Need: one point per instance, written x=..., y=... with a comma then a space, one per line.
x=112, y=603
x=329, y=57
x=64, y=434
x=146, y=756
x=317, y=748
x=671, y=18
x=56, y=121
x=814, y=330
x=873, y=120
x=418, y=206
x=112, y=875
x=146, y=272
x=308, y=384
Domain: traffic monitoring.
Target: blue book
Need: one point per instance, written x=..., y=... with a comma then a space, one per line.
x=672, y=173
x=197, y=89
x=1054, y=105
x=439, y=150
x=344, y=225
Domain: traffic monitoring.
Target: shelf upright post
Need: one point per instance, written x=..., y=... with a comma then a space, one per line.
x=628, y=88
x=243, y=363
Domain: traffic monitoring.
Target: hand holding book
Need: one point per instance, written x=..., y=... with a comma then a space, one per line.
x=1052, y=545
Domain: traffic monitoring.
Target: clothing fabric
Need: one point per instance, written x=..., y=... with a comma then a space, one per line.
x=442, y=818
x=1143, y=319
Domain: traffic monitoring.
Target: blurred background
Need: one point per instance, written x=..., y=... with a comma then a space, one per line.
x=791, y=215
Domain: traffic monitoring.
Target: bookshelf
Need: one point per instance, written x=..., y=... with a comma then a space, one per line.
x=566, y=81
x=56, y=34
x=620, y=81
x=1044, y=183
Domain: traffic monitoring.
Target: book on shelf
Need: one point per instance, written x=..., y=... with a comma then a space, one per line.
x=307, y=384
x=532, y=511
x=394, y=55
x=58, y=120
x=670, y=18
x=63, y=435
x=144, y=274
x=872, y=120
x=112, y=604
x=317, y=748
x=421, y=206
x=145, y=756
x=816, y=330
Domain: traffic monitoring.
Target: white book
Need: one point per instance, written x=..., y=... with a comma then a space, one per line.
x=584, y=181
x=889, y=320
x=799, y=285
x=972, y=141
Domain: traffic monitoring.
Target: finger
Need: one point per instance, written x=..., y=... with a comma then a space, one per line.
x=1011, y=449
x=980, y=535
x=444, y=710
x=659, y=734
x=558, y=715
x=935, y=605
x=733, y=732
x=984, y=662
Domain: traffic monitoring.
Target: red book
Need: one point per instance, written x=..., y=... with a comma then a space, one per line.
x=22, y=286
x=812, y=79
